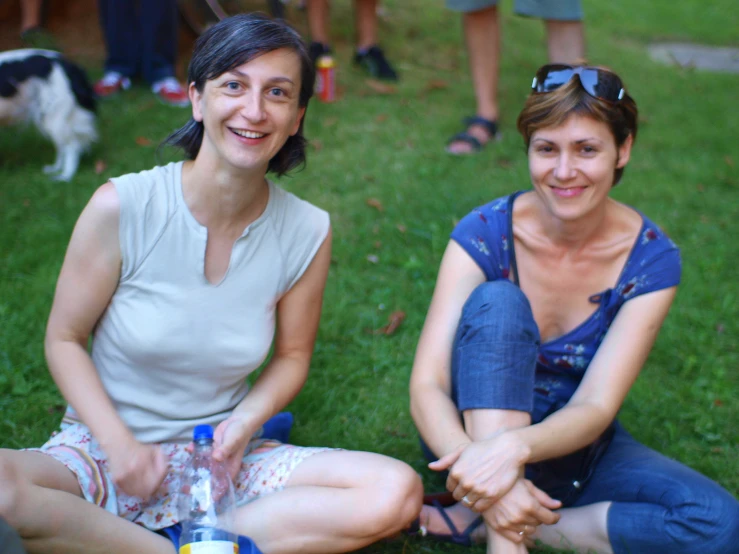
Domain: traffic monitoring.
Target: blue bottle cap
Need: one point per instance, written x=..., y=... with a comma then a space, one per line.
x=202, y=432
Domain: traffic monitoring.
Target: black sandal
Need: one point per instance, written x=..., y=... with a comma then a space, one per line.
x=455, y=537
x=491, y=127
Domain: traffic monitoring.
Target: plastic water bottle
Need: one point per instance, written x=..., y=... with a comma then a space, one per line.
x=206, y=501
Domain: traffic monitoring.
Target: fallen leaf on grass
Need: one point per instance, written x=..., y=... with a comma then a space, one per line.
x=379, y=87
x=435, y=84
x=505, y=163
x=146, y=106
x=394, y=321
x=402, y=228
x=395, y=432
x=143, y=141
x=717, y=450
x=100, y=166
x=26, y=202
x=700, y=187
x=381, y=117
x=316, y=144
x=377, y=244
x=718, y=403
x=729, y=161
x=376, y=204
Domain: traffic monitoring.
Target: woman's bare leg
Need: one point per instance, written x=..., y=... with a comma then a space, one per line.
x=40, y=498
x=583, y=529
x=335, y=501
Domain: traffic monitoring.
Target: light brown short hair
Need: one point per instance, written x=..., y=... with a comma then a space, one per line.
x=551, y=109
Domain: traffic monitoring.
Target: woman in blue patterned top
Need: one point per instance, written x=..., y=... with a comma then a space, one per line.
x=546, y=306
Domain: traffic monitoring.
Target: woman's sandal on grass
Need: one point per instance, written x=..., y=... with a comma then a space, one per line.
x=490, y=127
x=463, y=538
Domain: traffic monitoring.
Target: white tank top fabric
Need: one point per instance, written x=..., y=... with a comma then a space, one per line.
x=173, y=350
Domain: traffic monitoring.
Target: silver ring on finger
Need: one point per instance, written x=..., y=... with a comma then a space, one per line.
x=466, y=501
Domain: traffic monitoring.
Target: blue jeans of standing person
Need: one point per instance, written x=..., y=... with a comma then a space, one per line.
x=657, y=504
x=140, y=37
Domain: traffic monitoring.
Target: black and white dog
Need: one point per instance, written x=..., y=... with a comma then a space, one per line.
x=43, y=87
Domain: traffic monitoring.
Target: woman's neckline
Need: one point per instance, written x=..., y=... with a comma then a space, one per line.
x=602, y=294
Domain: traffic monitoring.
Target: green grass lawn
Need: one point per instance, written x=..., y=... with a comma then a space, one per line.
x=389, y=147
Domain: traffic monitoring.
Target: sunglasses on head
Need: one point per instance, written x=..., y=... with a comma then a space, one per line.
x=598, y=83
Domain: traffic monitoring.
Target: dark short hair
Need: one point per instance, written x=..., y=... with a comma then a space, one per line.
x=551, y=109
x=230, y=43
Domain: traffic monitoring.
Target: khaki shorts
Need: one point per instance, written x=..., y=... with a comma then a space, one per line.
x=558, y=10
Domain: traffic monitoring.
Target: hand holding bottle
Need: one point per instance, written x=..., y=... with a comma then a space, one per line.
x=231, y=438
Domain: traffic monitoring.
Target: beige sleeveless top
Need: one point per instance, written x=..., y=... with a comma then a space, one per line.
x=173, y=350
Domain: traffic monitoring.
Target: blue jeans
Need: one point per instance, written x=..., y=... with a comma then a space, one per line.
x=140, y=37
x=658, y=505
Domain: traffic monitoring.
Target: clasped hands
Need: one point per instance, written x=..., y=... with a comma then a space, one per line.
x=486, y=476
x=139, y=469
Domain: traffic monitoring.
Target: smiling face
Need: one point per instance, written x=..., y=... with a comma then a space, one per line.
x=249, y=112
x=572, y=165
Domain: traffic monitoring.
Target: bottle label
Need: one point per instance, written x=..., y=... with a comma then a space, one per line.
x=210, y=547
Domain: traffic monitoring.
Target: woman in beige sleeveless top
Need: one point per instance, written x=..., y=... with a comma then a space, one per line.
x=185, y=276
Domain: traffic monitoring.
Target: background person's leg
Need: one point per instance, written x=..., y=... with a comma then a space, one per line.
x=365, y=15
x=32, y=32
x=565, y=39
x=318, y=25
x=159, y=27
x=30, y=14
x=369, y=55
x=120, y=31
x=482, y=38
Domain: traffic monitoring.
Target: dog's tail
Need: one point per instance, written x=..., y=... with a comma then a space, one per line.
x=80, y=85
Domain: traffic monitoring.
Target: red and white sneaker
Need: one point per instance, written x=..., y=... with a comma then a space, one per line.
x=111, y=83
x=171, y=92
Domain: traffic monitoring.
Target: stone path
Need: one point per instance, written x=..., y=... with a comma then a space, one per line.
x=696, y=55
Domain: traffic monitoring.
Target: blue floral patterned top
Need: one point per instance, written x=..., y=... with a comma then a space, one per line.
x=653, y=264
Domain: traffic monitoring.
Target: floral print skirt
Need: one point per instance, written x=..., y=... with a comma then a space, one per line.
x=266, y=468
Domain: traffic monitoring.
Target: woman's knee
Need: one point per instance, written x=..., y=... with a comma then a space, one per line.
x=497, y=310
x=495, y=350
x=398, y=500
x=500, y=296
x=707, y=523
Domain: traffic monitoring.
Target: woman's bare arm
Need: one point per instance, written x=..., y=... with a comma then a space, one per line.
x=87, y=281
x=298, y=315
